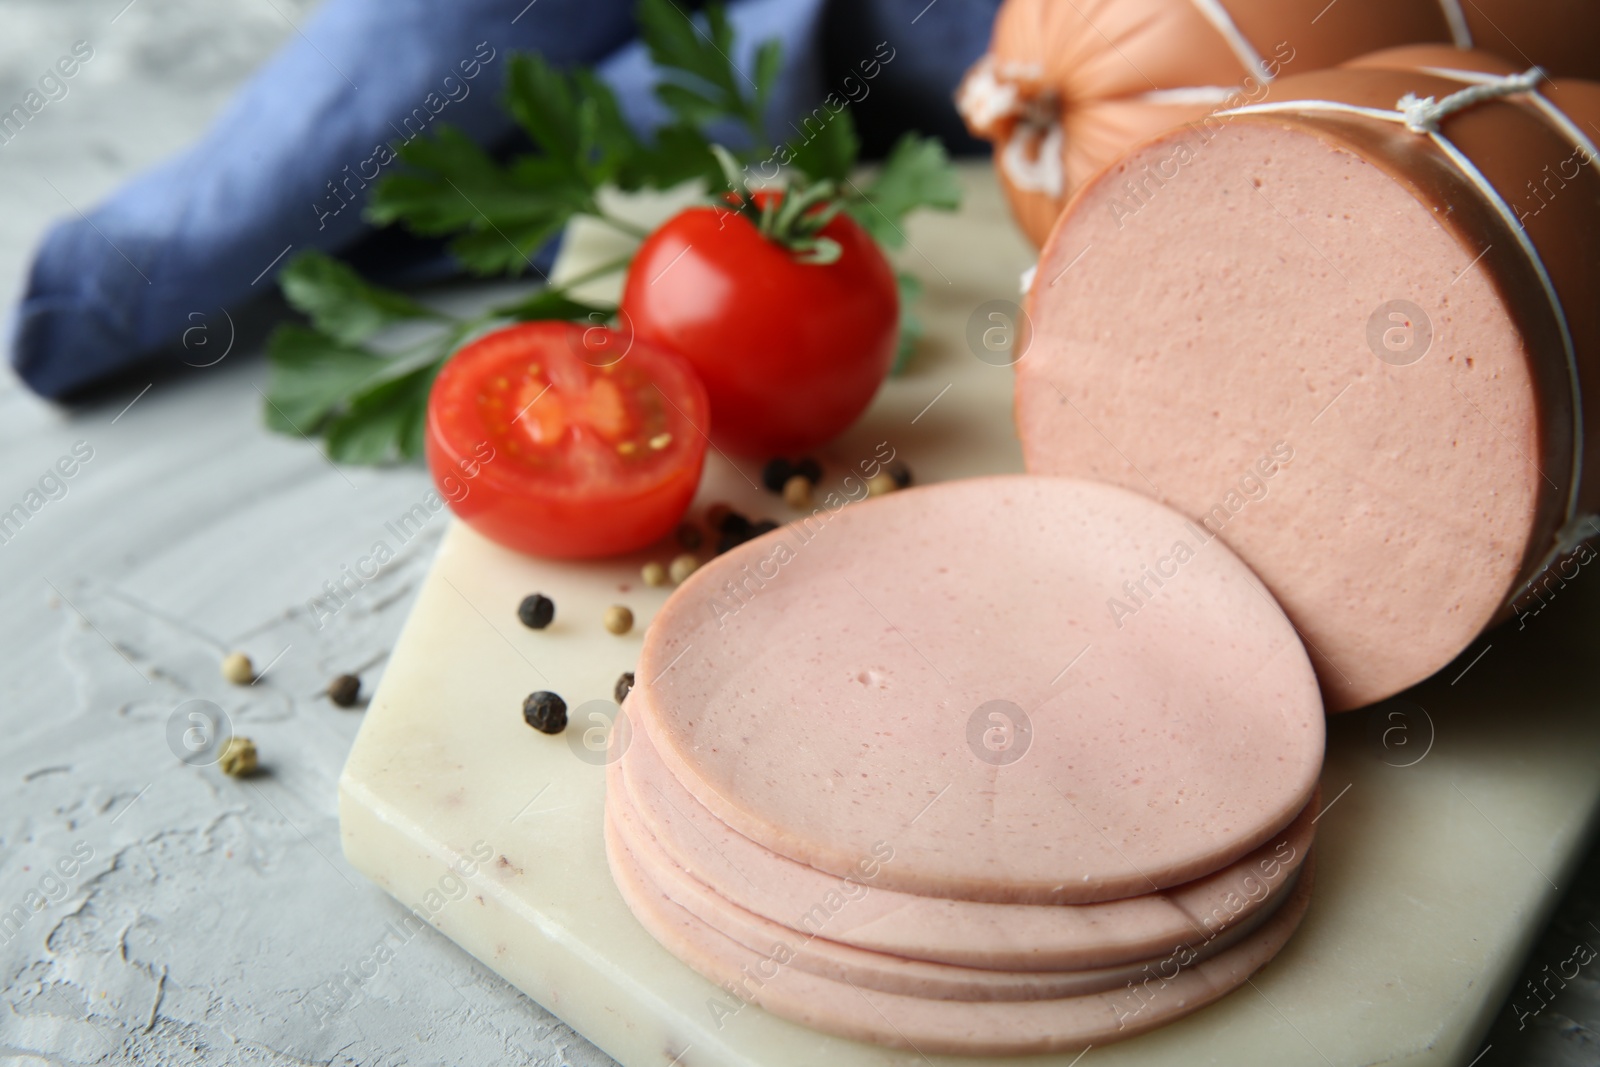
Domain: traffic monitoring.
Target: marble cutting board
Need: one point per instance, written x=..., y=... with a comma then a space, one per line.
x=1452, y=814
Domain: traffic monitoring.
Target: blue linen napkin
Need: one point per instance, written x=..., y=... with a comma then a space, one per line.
x=287, y=165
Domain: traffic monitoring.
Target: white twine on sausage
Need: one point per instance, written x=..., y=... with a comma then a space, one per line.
x=1423, y=116
x=1457, y=20
x=1223, y=23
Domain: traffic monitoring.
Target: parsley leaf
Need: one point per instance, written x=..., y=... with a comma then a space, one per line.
x=339, y=303
x=911, y=329
x=554, y=304
x=917, y=174
x=830, y=152
x=679, y=153
x=383, y=420
x=311, y=375
x=701, y=84
x=503, y=214
x=371, y=407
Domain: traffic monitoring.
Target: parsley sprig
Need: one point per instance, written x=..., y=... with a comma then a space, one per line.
x=336, y=378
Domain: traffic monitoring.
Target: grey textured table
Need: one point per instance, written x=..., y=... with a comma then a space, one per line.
x=205, y=919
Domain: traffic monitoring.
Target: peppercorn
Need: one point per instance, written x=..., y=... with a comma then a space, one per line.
x=619, y=620
x=797, y=492
x=624, y=686
x=345, y=690
x=237, y=668
x=762, y=527
x=681, y=567
x=734, y=523
x=545, y=712
x=732, y=540
x=536, y=611
x=776, y=473
x=810, y=468
x=690, y=537
x=880, y=484
x=716, y=513
x=653, y=573
x=238, y=759
x=900, y=473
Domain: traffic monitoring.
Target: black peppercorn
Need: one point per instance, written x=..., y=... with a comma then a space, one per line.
x=624, y=686
x=776, y=473
x=810, y=468
x=734, y=523
x=900, y=473
x=345, y=690
x=731, y=540
x=690, y=537
x=545, y=712
x=764, y=526
x=536, y=611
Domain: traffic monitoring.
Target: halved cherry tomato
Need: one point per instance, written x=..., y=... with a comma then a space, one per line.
x=594, y=445
x=790, y=352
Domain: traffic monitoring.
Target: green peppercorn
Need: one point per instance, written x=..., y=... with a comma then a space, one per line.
x=545, y=712
x=536, y=611
x=236, y=668
x=682, y=566
x=797, y=492
x=238, y=759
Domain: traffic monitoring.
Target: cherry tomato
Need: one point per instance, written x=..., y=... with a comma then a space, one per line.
x=567, y=442
x=791, y=352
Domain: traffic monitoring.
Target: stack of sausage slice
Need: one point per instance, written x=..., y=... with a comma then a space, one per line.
x=931, y=771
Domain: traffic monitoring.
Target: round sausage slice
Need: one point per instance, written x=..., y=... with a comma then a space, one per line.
x=1034, y=690
x=1345, y=347
x=1177, y=986
x=857, y=911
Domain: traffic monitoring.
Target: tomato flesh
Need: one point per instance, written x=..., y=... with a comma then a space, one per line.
x=791, y=353
x=546, y=447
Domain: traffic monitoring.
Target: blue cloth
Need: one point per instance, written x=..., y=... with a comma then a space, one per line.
x=287, y=165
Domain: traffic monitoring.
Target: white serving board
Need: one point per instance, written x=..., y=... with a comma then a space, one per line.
x=1433, y=877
